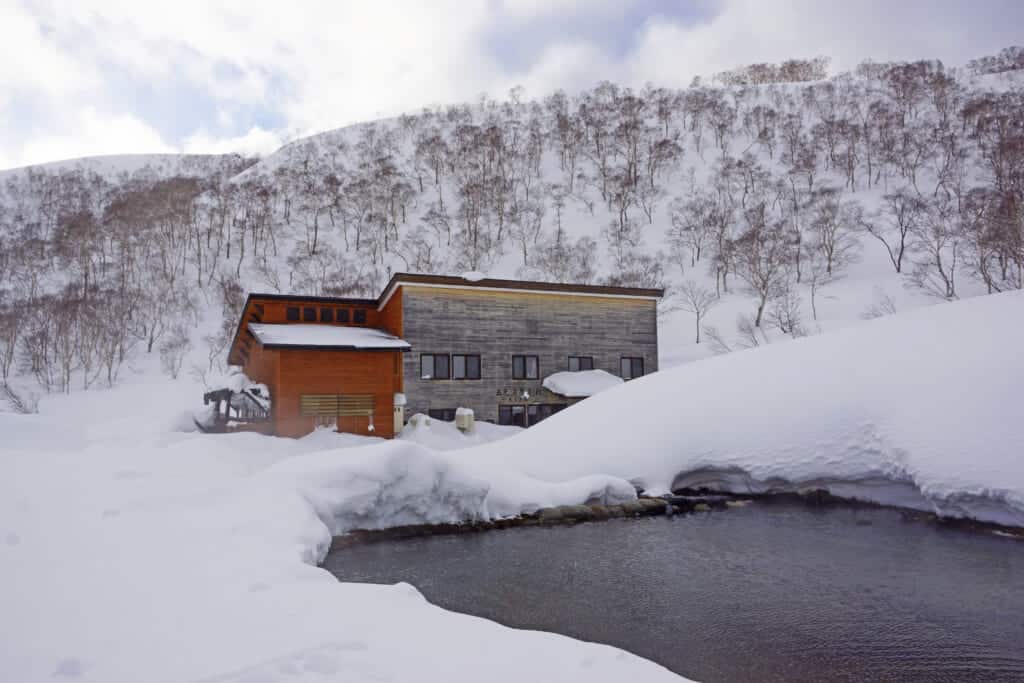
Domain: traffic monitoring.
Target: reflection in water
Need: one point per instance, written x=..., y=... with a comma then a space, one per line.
x=764, y=593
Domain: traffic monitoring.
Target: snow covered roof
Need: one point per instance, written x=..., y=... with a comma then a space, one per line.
x=581, y=384
x=327, y=336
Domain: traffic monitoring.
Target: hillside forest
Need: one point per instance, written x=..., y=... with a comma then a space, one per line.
x=755, y=193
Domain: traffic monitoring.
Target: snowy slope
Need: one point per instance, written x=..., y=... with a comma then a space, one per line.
x=132, y=551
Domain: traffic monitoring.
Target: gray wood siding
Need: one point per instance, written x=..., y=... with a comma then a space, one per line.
x=498, y=326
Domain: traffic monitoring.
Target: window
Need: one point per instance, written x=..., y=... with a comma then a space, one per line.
x=512, y=415
x=547, y=410
x=434, y=366
x=327, y=315
x=544, y=411
x=526, y=415
x=465, y=366
x=525, y=367
x=292, y=313
x=577, y=363
x=360, y=316
x=631, y=368
x=309, y=314
x=446, y=414
x=342, y=315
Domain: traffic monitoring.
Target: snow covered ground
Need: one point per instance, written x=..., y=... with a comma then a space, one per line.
x=131, y=550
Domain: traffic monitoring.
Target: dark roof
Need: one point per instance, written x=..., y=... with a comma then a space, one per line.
x=457, y=281
x=317, y=299
x=528, y=285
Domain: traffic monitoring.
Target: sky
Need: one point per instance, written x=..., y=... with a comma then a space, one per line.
x=93, y=77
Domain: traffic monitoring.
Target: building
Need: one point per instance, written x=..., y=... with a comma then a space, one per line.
x=432, y=344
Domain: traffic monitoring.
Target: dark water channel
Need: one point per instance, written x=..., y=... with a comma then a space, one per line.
x=763, y=593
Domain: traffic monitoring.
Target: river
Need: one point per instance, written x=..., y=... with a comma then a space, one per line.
x=769, y=592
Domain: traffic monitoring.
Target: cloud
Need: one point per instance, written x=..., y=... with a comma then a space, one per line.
x=90, y=133
x=234, y=75
x=255, y=142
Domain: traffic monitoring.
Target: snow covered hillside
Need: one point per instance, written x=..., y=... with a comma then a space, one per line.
x=773, y=206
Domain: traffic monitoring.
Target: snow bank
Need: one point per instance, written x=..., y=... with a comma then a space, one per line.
x=131, y=552
x=474, y=276
x=920, y=409
x=581, y=384
x=440, y=435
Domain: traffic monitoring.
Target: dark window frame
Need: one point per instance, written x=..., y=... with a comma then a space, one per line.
x=359, y=316
x=530, y=413
x=633, y=362
x=433, y=367
x=507, y=414
x=293, y=314
x=327, y=315
x=579, y=363
x=466, y=357
x=525, y=374
x=441, y=414
x=309, y=314
x=342, y=316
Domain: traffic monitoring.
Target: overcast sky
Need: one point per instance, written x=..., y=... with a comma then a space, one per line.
x=83, y=77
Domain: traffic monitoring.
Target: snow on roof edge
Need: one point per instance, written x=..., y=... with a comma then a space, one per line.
x=326, y=336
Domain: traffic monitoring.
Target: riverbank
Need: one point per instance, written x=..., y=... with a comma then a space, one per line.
x=685, y=502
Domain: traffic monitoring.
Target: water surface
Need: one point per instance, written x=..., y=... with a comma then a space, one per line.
x=763, y=593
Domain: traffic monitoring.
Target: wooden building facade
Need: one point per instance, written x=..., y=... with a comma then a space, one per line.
x=431, y=344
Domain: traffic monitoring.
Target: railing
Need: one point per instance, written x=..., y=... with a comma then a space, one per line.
x=235, y=412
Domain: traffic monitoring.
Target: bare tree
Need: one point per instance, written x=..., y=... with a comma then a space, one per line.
x=833, y=225
x=762, y=254
x=882, y=305
x=697, y=300
x=785, y=312
x=895, y=224
x=173, y=349
x=938, y=251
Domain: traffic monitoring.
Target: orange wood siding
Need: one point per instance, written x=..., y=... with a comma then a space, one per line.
x=336, y=372
x=262, y=366
x=276, y=312
x=391, y=314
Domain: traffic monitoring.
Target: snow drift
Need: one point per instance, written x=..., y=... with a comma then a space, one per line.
x=921, y=409
x=131, y=552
